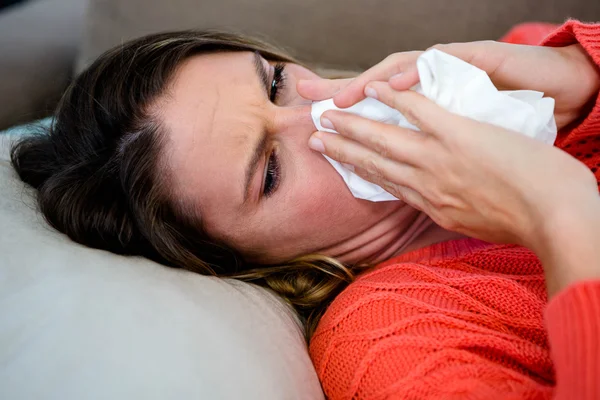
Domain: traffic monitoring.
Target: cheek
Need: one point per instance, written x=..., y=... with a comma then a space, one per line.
x=322, y=195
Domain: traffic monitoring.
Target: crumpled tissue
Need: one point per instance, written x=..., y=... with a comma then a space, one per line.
x=461, y=88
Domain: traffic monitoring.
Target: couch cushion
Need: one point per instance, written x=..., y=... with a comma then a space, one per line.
x=345, y=34
x=77, y=323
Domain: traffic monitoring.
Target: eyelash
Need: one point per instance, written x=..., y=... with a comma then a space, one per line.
x=272, y=175
x=278, y=82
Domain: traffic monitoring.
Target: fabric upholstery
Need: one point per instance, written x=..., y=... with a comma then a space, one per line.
x=346, y=34
x=78, y=323
x=39, y=40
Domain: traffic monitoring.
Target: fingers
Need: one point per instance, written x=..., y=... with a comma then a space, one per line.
x=417, y=109
x=491, y=56
x=391, y=66
x=405, y=80
x=373, y=165
x=320, y=89
x=465, y=51
x=389, y=141
x=400, y=71
x=412, y=198
x=402, y=193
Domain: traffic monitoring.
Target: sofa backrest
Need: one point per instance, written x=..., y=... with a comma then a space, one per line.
x=343, y=34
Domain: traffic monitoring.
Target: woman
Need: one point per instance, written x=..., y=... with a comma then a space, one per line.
x=191, y=149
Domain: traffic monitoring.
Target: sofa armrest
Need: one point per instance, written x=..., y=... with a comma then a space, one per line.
x=39, y=40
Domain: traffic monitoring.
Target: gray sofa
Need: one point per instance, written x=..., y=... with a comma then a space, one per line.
x=39, y=42
x=78, y=323
x=43, y=41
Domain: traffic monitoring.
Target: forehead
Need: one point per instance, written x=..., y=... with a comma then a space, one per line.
x=212, y=114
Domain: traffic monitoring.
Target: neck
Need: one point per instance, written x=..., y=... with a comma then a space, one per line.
x=402, y=233
x=421, y=233
x=431, y=234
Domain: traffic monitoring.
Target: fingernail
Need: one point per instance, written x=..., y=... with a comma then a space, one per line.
x=326, y=123
x=394, y=77
x=370, y=92
x=316, y=144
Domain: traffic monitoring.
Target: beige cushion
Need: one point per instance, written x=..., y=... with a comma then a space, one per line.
x=346, y=34
x=77, y=323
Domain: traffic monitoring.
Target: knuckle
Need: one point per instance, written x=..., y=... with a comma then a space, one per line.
x=445, y=218
x=394, y=189
x=435, y=202
x=380, y=144
x=372, y=167
x=338, y=154
x=437, y=198
x=392, y=62
x=450, y=224
x=415, y=109
x=411, y=113
x=440, y=46
x=392, y=57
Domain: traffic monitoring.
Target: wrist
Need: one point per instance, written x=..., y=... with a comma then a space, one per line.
x=568, y=244
x=564, y=197
x=588, y=71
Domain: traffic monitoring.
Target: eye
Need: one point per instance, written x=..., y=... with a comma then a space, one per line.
x=278, y=82
x=272, y=175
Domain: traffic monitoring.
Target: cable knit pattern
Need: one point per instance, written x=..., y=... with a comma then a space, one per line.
x=582, y=141
x=465, y=319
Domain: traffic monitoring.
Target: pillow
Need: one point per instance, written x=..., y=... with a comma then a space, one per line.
x=78, y=323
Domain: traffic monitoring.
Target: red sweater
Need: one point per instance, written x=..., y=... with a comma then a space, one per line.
x=469, y=319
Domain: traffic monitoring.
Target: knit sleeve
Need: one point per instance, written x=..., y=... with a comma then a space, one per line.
x=573, y=321
x=582, y=139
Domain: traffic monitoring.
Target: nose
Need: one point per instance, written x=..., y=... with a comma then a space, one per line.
x=295, y=119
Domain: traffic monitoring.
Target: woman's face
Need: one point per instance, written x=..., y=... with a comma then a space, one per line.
x=239, y=158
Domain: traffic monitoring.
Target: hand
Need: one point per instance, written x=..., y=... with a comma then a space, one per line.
x=398, y=67
x=566, y=74
x=474, y=178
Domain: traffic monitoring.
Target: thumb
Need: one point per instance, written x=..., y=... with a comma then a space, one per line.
x=320, y=89
x=488, y=55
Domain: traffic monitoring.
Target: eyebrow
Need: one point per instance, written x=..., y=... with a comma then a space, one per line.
x=261, y=145
x=259, y=67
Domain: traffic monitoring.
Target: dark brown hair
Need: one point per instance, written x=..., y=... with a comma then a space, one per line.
x=99, y=181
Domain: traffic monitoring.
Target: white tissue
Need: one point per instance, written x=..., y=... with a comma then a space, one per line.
x=460, y=88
